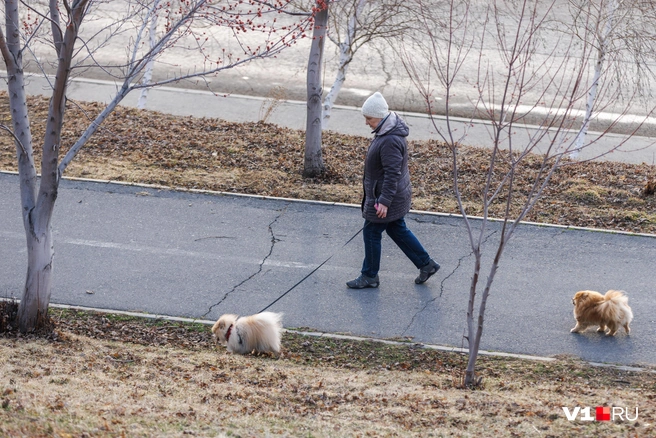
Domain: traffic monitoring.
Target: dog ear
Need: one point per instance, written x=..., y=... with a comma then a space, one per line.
x=581, y=295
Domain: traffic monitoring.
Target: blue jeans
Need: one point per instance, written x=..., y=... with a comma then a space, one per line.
x=372, y=233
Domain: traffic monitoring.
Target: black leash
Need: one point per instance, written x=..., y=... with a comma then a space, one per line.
x=311, y=272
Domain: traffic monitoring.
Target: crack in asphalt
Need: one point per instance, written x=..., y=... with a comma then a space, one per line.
x=432, y=300
x=274, y=239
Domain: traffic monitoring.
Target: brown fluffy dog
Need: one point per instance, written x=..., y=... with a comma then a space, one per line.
x=610, y=311
x=245, y=334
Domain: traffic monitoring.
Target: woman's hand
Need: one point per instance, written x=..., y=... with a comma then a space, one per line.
x=381, y=211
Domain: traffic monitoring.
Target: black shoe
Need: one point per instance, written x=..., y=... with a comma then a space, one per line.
x=363, y=281
x=426, y=272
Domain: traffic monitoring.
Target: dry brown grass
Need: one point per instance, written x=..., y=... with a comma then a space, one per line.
x=106, y=377
x=169, y=379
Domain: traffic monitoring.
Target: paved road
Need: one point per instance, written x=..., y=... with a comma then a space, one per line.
x=199, y=255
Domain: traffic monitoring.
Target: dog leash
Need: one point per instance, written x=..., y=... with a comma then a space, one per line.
x=311, y=272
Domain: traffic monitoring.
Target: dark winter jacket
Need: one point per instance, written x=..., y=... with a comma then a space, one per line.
x=386, y=176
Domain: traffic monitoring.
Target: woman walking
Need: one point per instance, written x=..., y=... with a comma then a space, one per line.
x=387, y=195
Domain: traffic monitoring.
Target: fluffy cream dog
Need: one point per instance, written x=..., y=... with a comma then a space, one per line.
x=610, y=311
x=245, y=334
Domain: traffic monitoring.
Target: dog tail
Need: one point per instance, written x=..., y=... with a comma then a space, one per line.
x=616, y=296
x=272, y=318
x=269, y=331
x=616, y=306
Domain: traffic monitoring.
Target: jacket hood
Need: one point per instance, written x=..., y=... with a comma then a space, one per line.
x=394, y=125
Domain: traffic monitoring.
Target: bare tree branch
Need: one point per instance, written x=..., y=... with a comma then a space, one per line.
x=192, y=28
x=525, y=67
x=16, y=139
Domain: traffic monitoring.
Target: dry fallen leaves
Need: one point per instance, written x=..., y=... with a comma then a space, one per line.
x=162, y=378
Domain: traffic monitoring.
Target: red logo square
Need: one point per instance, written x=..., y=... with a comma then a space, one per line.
x=602, y=413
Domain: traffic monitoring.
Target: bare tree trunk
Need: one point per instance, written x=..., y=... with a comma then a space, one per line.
x=346, y=54
x=592, y=93
x=313, y=165
x=473, y=352
x=38, y=207
x=12, y=54
x=148, y=74
x=345, y=57
x=474, y=335
x=33, y=307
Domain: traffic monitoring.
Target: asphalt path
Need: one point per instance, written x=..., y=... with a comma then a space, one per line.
x=198, y=255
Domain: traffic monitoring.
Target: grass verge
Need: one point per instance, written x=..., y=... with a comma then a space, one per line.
x=106, y=375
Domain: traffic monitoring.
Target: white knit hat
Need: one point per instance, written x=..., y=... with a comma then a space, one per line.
x=375, y=106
